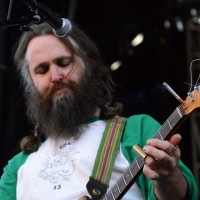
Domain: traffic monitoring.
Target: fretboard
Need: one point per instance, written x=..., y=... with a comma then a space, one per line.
x=118, y=190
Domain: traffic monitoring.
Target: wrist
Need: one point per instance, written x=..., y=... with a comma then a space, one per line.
x=173, y=186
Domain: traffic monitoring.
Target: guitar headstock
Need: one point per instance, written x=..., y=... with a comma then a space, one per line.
x=192, y=101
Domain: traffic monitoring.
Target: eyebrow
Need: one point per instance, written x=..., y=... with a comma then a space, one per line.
x=43, y=64
x=69, y=58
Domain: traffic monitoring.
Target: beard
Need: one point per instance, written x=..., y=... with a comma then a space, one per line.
x=63, y=115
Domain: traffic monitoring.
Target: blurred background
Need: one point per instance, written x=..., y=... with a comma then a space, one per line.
x=144, y=43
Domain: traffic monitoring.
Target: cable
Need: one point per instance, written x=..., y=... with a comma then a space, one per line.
x=9, y=9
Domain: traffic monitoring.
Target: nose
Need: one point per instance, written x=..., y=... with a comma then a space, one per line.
x=56, y=73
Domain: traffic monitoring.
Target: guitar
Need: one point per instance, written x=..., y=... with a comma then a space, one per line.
x=169, y=127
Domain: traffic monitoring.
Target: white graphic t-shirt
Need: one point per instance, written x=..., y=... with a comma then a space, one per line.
x=61, y=170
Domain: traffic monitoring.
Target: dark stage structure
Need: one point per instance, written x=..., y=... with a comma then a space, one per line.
x=144, y=43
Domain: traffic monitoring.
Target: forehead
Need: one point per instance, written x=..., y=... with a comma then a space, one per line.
x=48, y=45
x=45, y=41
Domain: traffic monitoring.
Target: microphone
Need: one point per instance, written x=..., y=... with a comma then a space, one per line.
x=61, y=26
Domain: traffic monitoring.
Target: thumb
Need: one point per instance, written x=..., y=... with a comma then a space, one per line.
x=175, y=139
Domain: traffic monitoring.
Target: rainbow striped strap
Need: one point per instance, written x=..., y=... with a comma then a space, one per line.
x=106, y=155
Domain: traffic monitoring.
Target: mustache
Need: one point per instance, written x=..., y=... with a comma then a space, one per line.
x=59, y=85
x=73, y=86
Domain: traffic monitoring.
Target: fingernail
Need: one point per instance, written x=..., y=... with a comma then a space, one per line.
x=145, y=148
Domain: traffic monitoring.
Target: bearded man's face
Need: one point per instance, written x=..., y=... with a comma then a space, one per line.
x=62, y=98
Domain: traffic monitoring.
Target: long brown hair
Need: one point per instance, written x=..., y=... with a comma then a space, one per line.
x=91, y=56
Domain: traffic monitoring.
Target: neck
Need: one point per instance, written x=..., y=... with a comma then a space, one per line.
x=97, y=112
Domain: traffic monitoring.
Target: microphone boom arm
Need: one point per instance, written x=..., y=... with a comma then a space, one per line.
x=61, y=27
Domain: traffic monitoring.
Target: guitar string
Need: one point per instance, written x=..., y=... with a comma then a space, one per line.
x=165, y=124
x=191, y=75
x=127, y=172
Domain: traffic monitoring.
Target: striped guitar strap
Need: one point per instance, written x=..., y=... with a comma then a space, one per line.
x=104, y=162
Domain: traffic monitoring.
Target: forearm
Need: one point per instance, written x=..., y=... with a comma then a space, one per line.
x=174, y=187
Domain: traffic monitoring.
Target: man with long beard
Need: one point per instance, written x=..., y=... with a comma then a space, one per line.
x=70, y=101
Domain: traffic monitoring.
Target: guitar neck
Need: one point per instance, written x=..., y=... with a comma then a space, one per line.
x=118, y=190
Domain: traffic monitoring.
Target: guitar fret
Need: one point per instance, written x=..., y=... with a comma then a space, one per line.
x=137, y=164
x=130, y=171
x=140, y=161
x=173, y=121
x=104, y=198
x=124, y=180
x=109, y=196
x=179, y=112
x=169, y=124
x=160, y=135
x=115, y=191
x=112, y=194
x=118, y=188
x=121, y=184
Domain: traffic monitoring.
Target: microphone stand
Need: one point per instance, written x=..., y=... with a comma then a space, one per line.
x=41, y=13
x=44, y=13
x=22, y=22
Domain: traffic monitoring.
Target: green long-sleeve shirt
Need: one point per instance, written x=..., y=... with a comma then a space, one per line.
x=138, y=129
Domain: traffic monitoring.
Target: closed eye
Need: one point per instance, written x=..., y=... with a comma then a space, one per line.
x=41, y=69
x=63, y=61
